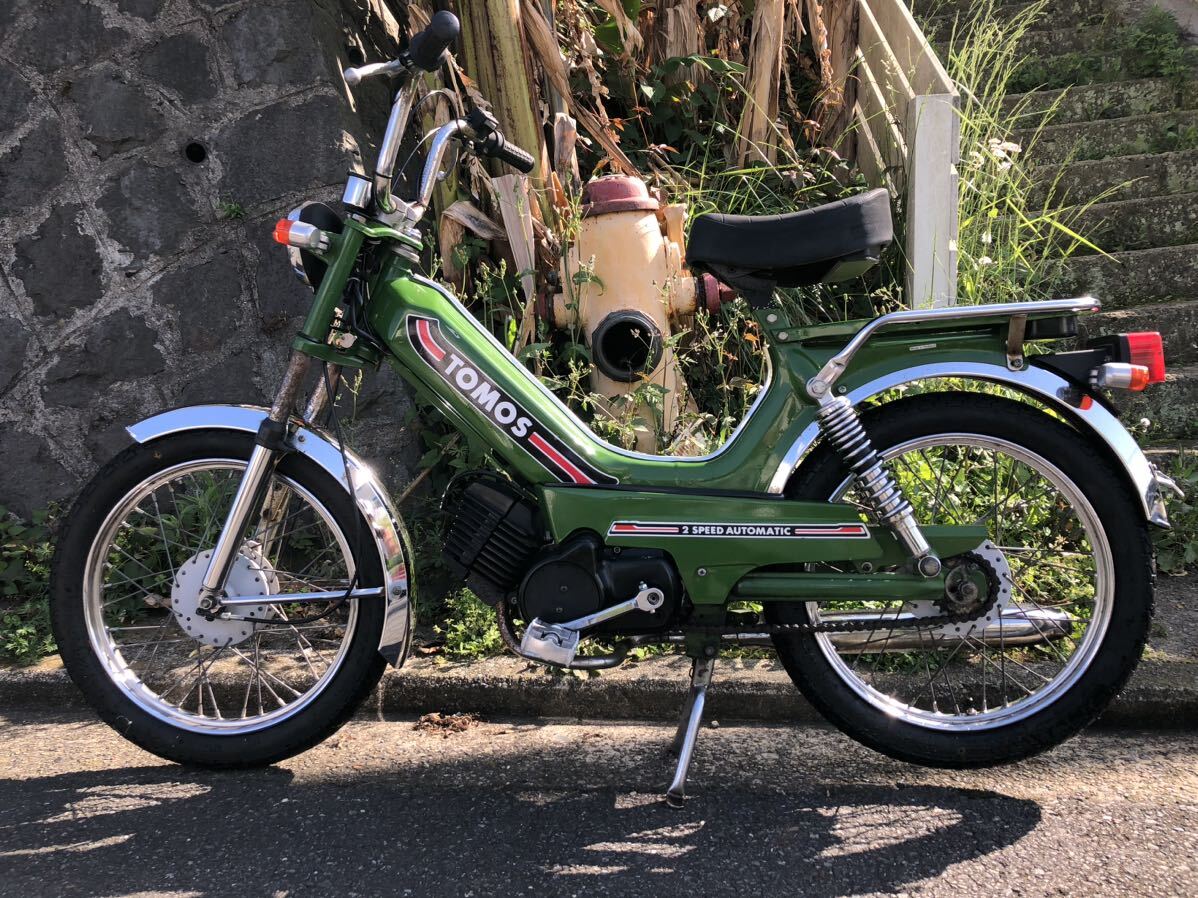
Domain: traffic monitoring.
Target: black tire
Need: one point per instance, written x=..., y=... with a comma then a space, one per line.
x=360, y=669
x=1118, y=512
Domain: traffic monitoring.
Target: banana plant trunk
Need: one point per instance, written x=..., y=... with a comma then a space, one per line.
x=496, y=58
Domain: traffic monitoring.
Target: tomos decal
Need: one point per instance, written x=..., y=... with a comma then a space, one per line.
x=507, y=414
x=749, y=531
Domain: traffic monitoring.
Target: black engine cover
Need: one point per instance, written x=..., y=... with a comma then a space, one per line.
x=581, y=576
x=493, y=534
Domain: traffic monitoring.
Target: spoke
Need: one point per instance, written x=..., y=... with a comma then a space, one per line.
x=300, y=639
x=267, y=673
x=140, y=564
x=211, y=659
x=134, y=645
x=1044, y=638
x=313, y=560
x=939, y=670
x=259, y=672
x=1023, y=667
x=153, y=654
x=939, y=481
x=212, y=696
x=202, y=679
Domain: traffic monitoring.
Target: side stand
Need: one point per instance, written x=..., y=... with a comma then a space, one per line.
x=688, y=728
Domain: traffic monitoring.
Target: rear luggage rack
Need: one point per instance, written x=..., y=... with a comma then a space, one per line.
x=1017, y=314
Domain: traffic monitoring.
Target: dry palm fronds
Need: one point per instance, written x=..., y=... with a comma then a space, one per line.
x=545, y=47
x=755, y=140
x=630, y=37
x=677, y=31
x=831, y=96
x=445, y=724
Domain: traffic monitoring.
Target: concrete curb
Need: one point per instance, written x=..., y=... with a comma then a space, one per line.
x=1160, y=694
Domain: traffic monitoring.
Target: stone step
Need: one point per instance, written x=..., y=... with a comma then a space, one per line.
x=1154, y=132
x=938, y=17
x=1138, y=278
x=1052, y=72
x=1164, y=455
x=1139, y=224
x=1119, y=178
x=1177, y=323
x=1037, y=42
x=1097, y=102
x=1172, y=406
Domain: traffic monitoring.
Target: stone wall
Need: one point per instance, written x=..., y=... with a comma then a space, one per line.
x=146, y=149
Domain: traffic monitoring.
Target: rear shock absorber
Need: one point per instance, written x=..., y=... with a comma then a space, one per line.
x=840, y=423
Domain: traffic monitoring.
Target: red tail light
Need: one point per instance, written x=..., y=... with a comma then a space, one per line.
x=1146, y=348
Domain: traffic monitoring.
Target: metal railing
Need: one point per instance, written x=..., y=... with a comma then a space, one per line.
x=908, y=139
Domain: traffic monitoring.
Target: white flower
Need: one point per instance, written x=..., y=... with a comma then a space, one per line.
x=987, y=238
x=983, y=261
x=1004, y=149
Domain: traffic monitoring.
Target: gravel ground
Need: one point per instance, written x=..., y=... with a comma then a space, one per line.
x=571, y=808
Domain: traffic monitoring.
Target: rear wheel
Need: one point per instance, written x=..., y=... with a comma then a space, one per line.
x=1080, y=598
x=255, y=689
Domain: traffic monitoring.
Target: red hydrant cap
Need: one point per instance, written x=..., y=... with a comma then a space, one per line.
x=616, y=193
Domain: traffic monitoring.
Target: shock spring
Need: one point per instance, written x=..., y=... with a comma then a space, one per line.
x=840, y=423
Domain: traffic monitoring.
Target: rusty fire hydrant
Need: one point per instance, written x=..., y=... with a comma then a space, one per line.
x=625, y=287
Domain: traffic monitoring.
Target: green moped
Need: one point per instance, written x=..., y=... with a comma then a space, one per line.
x=957, y=573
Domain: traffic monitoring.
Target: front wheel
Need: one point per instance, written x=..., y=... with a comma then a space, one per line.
x=1069, y=636
x=269, y=682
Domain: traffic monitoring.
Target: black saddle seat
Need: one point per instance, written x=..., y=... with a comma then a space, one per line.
x=796, y=248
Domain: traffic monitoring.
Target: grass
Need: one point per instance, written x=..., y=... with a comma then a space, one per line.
x=25, y=551
x=1015, y=236
x=1177, y=549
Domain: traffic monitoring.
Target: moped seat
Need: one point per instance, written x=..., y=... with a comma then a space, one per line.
x=797, y=248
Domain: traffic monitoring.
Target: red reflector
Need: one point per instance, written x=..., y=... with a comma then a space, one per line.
x=1146, y=348
x=1087, y=403
x=283, y=231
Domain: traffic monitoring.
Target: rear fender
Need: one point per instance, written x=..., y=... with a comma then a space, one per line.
x=390, y=537
x=1097, y=421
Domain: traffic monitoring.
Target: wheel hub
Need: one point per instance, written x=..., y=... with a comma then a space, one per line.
x=251, y=576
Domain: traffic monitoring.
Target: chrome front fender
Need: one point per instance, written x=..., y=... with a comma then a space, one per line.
x=1147, y=482
x=390, y=537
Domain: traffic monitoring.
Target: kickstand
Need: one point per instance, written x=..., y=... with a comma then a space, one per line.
x=688, y=728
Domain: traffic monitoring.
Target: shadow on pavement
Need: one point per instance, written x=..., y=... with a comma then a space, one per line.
x=180, y=831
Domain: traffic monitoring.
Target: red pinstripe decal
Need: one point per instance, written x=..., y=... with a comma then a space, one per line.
x=702, y=530
x=426, y=338
x=558, y=459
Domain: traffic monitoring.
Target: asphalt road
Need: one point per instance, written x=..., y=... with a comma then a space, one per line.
x=572, y=809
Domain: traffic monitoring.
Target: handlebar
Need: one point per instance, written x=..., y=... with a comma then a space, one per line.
x=428, y=47
x=354, y=77
x=497, y=145
x=426, y=51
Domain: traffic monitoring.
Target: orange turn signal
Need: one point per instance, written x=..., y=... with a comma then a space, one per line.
x=1140, y=378
x=283, y=231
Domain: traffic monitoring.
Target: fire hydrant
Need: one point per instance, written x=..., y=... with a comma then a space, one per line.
x=624, y=286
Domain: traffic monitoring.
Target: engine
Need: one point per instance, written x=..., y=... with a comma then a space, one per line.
x=498, y=546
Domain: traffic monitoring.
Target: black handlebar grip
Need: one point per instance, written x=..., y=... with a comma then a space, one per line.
x=517, y=158
x=427, y=47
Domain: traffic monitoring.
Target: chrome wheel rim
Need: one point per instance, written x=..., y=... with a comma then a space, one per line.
x=1021, y=683
x=200, y=687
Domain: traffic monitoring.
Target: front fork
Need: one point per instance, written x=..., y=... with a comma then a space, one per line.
x=270, y=441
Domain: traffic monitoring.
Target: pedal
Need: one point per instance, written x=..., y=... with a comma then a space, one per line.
x=551, y=643
x=558, y=643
